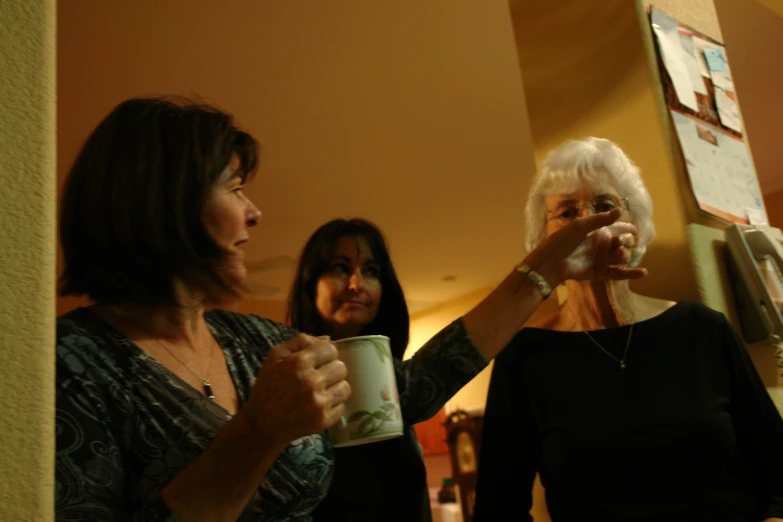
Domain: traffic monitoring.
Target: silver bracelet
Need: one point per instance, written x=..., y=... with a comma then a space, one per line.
x=536, y=278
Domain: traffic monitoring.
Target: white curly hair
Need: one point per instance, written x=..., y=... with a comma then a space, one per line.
x=589, y=164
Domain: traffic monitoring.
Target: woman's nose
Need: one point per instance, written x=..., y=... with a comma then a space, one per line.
x=356, y=282
x=253, y=214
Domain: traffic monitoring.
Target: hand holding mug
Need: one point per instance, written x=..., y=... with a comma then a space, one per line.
x=300, y=390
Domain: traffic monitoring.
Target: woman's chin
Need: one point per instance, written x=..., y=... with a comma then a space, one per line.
x=358, y=319
x=237, y=275
x=349, y=326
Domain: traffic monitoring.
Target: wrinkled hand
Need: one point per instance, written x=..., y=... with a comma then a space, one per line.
x=595, y=247
x=623, y=245
x=611, y=245
x=299, y=391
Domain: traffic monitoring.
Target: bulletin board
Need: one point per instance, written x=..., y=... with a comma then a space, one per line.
x=700, y=95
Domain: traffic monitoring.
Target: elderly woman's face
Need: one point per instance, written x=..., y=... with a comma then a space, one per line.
x=562, y=209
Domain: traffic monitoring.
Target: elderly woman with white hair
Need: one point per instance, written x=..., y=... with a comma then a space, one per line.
x=630, y=408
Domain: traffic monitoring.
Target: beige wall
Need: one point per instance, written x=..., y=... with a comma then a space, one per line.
x=274, y=310
x=774, y=203
x=426, y=324
x=27, y=191
x=699, y=14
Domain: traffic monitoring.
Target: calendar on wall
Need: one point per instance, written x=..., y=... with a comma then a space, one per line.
x=721, y=172
x=700, y=94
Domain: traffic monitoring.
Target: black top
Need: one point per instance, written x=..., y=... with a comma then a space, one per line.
x=687, y=432
x=382, y=482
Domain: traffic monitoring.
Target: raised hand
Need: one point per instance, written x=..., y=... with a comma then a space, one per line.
x=595, y=247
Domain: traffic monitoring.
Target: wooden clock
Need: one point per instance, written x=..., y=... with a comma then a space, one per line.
x=463, y=434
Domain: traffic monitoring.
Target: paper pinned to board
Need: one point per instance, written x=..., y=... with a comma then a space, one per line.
x=719, y=68
x=666, y=29
x=723, y=80
x=728, y=111
x=721, y=74
x=716, y=60
x=756, y=216
x=689, y=58
x=720, y=169
x=699, y=45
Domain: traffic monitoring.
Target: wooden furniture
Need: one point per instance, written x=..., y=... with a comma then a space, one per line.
x=463, y=434
x=432, y=436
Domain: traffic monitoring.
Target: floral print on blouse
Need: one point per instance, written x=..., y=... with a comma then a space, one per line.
x=126, y=425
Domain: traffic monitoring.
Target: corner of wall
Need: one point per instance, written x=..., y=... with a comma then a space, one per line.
x=27, y=257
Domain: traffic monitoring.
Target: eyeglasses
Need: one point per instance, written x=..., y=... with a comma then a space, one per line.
x=568, y=211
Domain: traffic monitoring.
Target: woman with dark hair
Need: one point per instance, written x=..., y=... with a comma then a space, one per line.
x=170, y=408
x=322, y=254
x=345, y=285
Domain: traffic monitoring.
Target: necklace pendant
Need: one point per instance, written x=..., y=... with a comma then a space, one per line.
x=207, y=389
x=622, y=365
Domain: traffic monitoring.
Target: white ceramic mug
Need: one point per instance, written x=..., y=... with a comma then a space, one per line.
x=372, y=412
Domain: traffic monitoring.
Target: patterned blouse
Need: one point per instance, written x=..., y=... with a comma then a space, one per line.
x=126, y=425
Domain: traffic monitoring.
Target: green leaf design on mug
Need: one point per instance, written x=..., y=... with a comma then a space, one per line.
x=383, y=351
x=381, y=415
x=357, y=415
x=366, y=426
x=370, y=422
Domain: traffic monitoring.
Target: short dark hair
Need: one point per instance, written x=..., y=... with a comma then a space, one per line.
x=392, y=319
x=132, y=210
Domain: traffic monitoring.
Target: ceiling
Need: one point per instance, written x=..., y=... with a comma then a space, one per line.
x=413, y=117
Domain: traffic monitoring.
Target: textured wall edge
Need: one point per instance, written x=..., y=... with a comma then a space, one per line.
x=27, y=257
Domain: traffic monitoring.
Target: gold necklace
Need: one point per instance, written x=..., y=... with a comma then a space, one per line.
x=625, y=353
x=207, y=386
